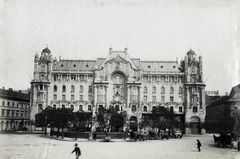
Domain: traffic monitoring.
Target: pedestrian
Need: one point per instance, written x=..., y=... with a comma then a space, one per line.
x=199, y=145
x=77, y=151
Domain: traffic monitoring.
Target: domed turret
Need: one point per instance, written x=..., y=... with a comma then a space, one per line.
x=191, y=53
x=46, y=50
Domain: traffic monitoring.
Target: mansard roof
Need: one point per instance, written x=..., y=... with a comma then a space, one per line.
x=75, y=65
x=160, y=66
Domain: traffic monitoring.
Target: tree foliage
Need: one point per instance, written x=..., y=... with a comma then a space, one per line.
x=161, y=118
x=111, y=118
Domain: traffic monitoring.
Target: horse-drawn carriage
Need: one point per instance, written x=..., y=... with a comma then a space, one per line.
x=223, y=140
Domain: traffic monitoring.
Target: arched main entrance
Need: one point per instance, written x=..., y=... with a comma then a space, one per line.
x=195, y=125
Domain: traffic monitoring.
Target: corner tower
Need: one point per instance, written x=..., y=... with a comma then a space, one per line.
x=41, y=81
x=194, y=93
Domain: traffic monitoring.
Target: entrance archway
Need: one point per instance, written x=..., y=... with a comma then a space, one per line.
x=133, y=123
x=195, y=125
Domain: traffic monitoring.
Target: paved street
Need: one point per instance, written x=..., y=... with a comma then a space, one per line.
x=38, y=146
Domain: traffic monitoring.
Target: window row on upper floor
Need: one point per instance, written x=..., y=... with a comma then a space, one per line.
x=154, y=90
x=55, y=97
x=155, y=79
x=171, y=99
x=14, y=113
x=15, y=104
x=72, y=89
x=73, y=77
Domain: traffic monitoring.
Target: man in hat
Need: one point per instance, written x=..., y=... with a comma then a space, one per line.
x=77, y=150
x=199, y=145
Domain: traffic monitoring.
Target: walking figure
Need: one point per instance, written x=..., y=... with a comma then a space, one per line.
x=77, y=151
x=199, y=145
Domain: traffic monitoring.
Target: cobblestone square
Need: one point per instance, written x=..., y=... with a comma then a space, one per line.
x=38, y=146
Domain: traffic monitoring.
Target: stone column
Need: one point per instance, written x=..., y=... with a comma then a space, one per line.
x=105, y=96
x=138, y=88
x=128, y=96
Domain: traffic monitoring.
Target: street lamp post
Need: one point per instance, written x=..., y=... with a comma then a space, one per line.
x=45, y=125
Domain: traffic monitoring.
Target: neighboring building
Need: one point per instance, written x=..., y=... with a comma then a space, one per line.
x=123, y=83
x=15, y=109
x=222, y=114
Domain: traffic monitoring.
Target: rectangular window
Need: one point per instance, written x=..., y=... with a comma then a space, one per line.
x=12, y=113
x=162, y=99
x=54, y=106
x=89, y=97
x=80, y=108
x=17, y=105
x=195, y=110
x=145, y=98
x=89, y=107
x=3, y=103
x=54, y=97
x=8, y=113
x=72, y=97
x=21, y=114
x=81, y=97
x=3, y=111
x=17, y=113
x=154, y=98
x=171, y=99
x=12, y=104
x=41, y=87
x=72, y=107
x=40, y=107
x=63, y=97
x=8, y=104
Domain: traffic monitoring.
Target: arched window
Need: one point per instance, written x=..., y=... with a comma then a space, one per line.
x=154, y=90
x=145, y=90
x=171, y=90
x=180, y=109
x=90, y=89
x=72, y=107
x=134, y=108
x=145, y=108
x=55, y=88
x=64, y=88
x=171, y=109
x=162, y=90
x=81, y=89
x=72, y=88
x=154, y=108
x=54, y=106
x=180, y=90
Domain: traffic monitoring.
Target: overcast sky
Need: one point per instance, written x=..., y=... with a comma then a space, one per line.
x=152, y=30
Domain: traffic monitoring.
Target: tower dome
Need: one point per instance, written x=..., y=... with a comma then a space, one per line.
x=191, y=52
x=46, y=50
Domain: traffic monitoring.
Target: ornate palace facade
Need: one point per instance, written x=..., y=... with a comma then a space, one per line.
x=123, y=83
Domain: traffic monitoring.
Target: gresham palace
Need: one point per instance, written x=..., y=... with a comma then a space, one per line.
x=127, y=84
